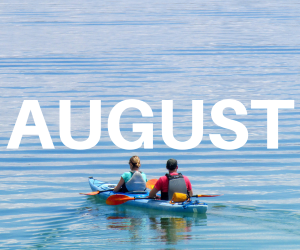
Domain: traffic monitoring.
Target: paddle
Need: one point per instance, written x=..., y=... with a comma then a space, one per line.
x=151, y=183
x=118, y=199
x=205, y=195
x=96, y=192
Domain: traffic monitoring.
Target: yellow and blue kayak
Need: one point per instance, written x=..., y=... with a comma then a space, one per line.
x=193, y=206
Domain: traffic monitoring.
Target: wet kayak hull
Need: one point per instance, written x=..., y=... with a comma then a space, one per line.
x=186, y=207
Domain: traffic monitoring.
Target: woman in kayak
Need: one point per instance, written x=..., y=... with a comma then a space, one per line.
x=134, y=180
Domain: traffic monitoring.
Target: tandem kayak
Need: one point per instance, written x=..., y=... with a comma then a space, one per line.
x=193, y=206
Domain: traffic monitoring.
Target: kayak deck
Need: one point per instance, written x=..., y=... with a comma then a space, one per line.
x=193, y=206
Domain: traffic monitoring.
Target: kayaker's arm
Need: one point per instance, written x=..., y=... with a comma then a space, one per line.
x=120, y=184
x=153, y=192
x=191, y=193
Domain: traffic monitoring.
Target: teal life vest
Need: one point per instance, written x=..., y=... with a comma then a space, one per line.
x=136, y=183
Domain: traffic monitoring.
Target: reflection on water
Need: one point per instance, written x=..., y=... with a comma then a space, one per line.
x=160, y=226
x=174, y=229
x=168, y=229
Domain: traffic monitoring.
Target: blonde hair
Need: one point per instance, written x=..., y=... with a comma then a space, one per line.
x=135, y=161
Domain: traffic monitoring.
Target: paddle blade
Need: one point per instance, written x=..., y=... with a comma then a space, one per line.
x=118, y=199
x=205, y=195
x=91, y=193
x=151, y=183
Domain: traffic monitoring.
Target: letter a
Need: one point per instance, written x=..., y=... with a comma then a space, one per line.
x=39, y=129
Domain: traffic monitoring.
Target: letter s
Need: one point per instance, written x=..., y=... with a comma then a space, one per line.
x=220, y=120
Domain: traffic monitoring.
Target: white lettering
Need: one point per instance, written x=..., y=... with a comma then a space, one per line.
x=146, y=129
x=167, y=125
x=272, y=107
x=220, y=120
x=65, y=125
x=39, y=129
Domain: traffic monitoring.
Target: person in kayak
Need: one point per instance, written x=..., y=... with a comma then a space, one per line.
x=171, y=183
x=134, y=180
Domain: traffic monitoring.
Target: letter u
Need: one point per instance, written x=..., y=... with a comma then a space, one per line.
x=65, y=125
x=197, y=125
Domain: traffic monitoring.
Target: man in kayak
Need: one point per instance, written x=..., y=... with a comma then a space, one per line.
x=171, y=183
x=134, y=180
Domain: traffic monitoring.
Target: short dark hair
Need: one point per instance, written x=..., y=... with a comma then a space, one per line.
x=171, y=164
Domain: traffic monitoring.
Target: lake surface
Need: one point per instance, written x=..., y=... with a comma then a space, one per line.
x=150, y=51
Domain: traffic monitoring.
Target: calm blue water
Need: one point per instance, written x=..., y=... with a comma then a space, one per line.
x=151, y=51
